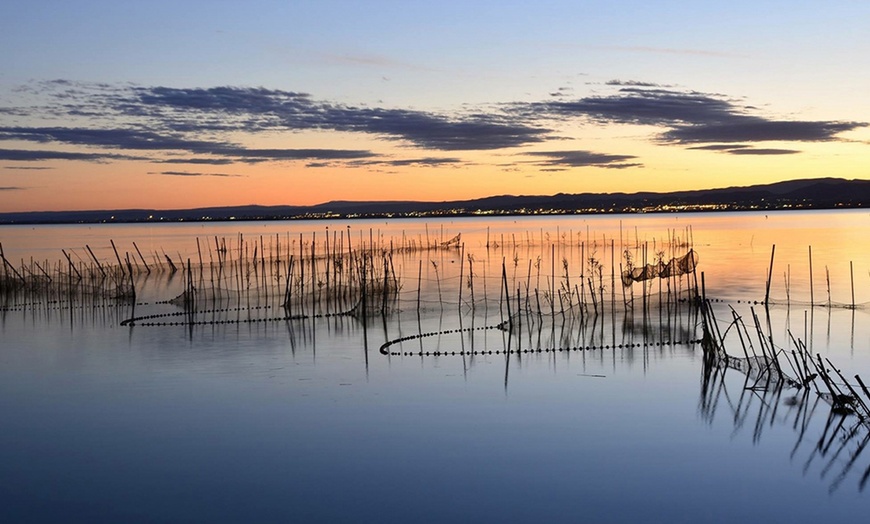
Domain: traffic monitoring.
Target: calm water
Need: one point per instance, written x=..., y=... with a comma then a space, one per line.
x=307, y=421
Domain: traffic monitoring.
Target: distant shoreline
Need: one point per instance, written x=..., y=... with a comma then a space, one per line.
x=392, y=216
x=808, y=194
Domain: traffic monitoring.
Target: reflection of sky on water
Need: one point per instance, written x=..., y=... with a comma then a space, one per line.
x=234, y=424
x=298, y=421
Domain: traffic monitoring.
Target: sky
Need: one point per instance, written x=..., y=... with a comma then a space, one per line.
x=186, y=104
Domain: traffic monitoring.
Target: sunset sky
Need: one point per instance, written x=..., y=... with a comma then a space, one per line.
x=183, y=104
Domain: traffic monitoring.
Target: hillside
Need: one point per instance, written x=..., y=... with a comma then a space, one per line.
x=821, y=193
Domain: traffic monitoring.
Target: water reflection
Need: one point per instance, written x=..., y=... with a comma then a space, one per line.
x=623, y=336
x=828, y=441
x=505, y=331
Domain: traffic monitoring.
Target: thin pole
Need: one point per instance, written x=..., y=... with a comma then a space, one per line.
x=148, y=269
x=419, y=283
x=461, y=268
x=852, y=277
x=99, y=266
x=812, y=301
x=506, y=293
x=117, y=256
x=769, y=275
x=553, y=281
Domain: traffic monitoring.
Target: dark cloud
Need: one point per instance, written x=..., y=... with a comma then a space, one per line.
x=26, y=155
x=479, y=132
x=405, y=162
x=691, y=116
x=744, y=149
x=188, y=173
x=562, y=91
x=165, y=115
x=561, y=159
x=259, y=109
x=426, y=162
x=12, y=188
x=758, y=130
x=266, y=155
x=111, y=138
x=762, y=151
x=12, y=111
x=197, y=161
x=220, y=99
x=634, y=83
x=719, y=147
x=146, y=140
x=28, y=168
x=645, y=106
x=168, y=123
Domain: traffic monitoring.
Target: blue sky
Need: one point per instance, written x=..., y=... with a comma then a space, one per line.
x=422, y=100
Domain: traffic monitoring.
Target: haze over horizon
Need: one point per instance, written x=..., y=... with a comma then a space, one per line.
x=161, y=105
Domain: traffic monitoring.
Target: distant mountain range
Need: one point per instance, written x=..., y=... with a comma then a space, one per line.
x=819, y=193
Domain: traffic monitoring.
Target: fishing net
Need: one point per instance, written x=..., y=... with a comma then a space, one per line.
x=673, y=268
x=453, y=242
x=763, y=370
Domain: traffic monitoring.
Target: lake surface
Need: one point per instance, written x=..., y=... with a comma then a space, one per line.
x=600, y=412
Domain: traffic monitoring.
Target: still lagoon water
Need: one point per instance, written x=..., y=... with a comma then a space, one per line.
x=602, y=414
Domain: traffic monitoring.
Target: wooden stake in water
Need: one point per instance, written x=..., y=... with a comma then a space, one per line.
x=71, y=265
x=118, y=257
x=471, y=280
x=769, y=275
x=5, y=263
x=612, y=273
x=364, y=295
x=461, y=272
x=828, y=281
x=553, y=282
x=812, y=300
x=386, y=287
x=148, y=269
x=132, y=282
x=507, y=295
x=99, y=266
x=852, y=277
x=419, y=283
x=326, y=269
x=287, y=286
